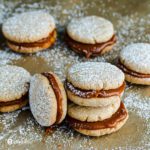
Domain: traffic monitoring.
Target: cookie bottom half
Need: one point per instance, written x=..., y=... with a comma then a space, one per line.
x=33, y=47
x=13, y=107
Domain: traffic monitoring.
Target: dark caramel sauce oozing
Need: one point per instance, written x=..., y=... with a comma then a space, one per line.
x=89, y=49
x=57, y=92
x=95, y=93
x=38, y=43
x=131, y=72
x=15, y=102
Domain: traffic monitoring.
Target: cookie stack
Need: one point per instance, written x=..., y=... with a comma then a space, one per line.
x=95, y=90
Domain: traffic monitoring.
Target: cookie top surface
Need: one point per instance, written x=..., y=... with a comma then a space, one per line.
x=136, y=57
x=42, y=100
x=14, y=82
x=28, y=27
x=95, y=76
x=92, y=114
x=90, y=30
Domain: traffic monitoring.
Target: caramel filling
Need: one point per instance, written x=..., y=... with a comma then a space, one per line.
x=89, y=49
x=95, y=93
x=120, y=115
x=15, y=102
x=131, y=72
x=51, y=38
x=57, y=92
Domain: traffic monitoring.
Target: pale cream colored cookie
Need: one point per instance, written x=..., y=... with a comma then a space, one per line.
x=134, y=60
x=28, y=27
x=30, y=32
x=90, y=30
x=46, y=107
x=136, y=57
x=14, y=83
x=42, y=100
x=95, y=76
x=92, y=114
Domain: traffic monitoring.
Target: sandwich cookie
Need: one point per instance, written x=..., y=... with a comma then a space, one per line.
x=47, y=99
x=90, y=36
x=95, y=84
x=30, y=32
x=103, y=127
x=94, y=89
x=134, y=61
x=14, y=85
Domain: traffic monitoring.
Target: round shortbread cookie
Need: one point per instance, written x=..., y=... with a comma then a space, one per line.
x=136, y=57
x=28, y=27
x=105, y=131
x=90, y=30
x=95, y=76
x=14, y=82
x=92, y=102
x=43, y=102
x=135, y=80
x=92, y=114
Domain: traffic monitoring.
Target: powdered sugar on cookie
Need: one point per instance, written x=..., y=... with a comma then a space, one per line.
x=92, y=114
x=14, y=82
x=137, y=57
x=19, y=128
x=90, y=30
x=28, y=27
x=42, y=103
x=95, y=76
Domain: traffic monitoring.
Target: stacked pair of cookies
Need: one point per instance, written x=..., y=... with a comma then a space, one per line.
x=95, y=90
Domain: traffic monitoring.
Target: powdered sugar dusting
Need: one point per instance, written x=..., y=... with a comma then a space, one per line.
x=90, y=29
x=134, y=101
x=137, y=57
x=22, y=28
x=2, y=12
x=95, y=76
x=131, y=23
x=13, y=80
x=7, y=57
x=43, y=108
